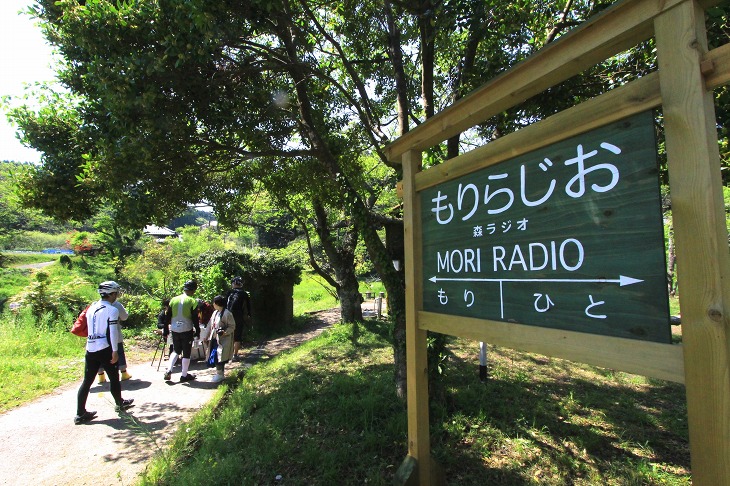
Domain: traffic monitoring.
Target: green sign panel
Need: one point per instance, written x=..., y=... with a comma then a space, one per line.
x=566, y=237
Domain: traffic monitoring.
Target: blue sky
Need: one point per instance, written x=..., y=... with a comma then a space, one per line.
x=25, y=58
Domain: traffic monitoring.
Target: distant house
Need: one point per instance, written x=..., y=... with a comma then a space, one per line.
x=159, y=233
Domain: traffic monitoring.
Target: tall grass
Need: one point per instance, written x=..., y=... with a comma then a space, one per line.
x=312, y=294
x=37, y=354
x=326, y=413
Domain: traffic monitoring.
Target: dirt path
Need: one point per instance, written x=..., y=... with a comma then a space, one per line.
x=39, y=443
x=36, y=265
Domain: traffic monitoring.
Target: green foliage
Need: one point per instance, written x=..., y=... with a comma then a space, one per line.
x=277, y=265
x=14, y=218
x=33, y=241
x=37, y=354
x=49, y=296
x=65, y=260
x=112, y=236
x=160, y=268
x=212, y=281
x=191, y=217
x=142, y=310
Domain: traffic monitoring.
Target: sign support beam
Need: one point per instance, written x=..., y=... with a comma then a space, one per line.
x=419, y=442
x=701, y=237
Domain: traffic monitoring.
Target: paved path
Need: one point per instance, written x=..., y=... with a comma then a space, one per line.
x=40, y=445
x=36, y=265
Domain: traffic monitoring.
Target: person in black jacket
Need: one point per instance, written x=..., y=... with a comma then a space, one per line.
x=239, y=304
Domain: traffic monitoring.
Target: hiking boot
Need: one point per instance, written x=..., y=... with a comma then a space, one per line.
x=84, y=417
x=101, y=378
x=167, y=376
x=125, y=375
x=188, y=377
x=124, y=405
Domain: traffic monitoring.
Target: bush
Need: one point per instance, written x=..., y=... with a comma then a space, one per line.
x=142, y=310
x=43, y=296
x=270, y=265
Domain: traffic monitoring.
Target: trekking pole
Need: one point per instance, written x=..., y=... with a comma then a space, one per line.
x=157, y=349
x=162, y=354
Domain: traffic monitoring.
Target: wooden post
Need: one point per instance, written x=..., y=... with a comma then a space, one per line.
x=419, y=442
x=701, y=238
x=483, y=362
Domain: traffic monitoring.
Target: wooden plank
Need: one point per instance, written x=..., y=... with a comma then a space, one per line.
x=634, y=97
x=701, y=239
x=662, y=361
x=720, y=73
x=419, y=442
x=618, y=28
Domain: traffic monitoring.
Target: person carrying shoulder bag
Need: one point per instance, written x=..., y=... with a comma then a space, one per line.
x=222, y=328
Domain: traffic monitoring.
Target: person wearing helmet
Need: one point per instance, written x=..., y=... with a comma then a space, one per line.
x=185, y=327
x=239, y=304
x=102, y=345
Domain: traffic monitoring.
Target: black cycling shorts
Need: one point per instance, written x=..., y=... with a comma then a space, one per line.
x=182, y=342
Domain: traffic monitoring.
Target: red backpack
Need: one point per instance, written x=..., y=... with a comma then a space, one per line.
x=80, y=327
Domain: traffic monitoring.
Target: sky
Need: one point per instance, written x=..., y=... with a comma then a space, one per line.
x=25, y=58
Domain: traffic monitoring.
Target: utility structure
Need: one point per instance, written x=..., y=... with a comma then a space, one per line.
x=682, y=86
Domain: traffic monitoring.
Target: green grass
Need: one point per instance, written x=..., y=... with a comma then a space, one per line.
x=326, y=413
x=36, y=356
x=312, y=294
x=13, y=281
x=15, y=259
x=673, y=306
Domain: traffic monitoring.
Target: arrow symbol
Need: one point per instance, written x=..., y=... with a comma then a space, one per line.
x=622, y=280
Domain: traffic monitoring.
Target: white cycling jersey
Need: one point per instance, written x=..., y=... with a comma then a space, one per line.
x=103, y=323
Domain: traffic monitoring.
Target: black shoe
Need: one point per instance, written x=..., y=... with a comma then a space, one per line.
x=84, y=417
x=167, y=376
x=188, y=377
x=125, y=405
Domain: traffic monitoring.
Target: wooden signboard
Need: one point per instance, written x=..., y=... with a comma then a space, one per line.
x=495, y=252
x=567, y=237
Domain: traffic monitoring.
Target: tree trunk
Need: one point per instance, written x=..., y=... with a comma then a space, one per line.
x=393, y=281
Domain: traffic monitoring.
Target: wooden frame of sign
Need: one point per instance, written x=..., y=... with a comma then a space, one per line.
x=682, y=86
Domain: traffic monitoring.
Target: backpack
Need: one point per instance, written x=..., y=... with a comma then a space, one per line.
x=80, y=327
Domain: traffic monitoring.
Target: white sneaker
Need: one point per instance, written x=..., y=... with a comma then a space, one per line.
x=216, y=378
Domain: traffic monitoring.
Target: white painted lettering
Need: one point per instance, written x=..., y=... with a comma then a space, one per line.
x=498, y=258
x=579, y=260
x=533, y=265
x=517, y=259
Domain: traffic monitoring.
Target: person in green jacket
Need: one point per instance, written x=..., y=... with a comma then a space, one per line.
x=184, y=327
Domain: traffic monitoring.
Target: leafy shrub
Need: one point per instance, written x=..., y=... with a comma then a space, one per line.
x=65, y=260
x=272, y=265
x=43, y=296
x=211, y=282
x=142, y=310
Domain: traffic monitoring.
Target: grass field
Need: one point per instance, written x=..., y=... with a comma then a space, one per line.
x=326, y=413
